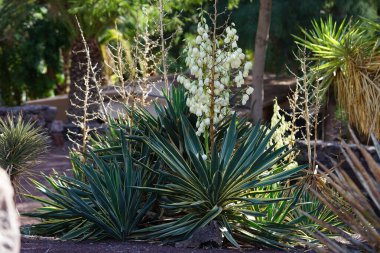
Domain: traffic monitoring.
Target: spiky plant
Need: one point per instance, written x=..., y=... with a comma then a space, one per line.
x=100, y=200
x=346, y=57
x=355, y=199
x=22, y=144
x=221, y=188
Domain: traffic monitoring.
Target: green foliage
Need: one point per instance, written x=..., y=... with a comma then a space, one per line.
x=95, y=16
x=346, y=57
x=21, y=146
x=30, y=63
x=100, y=201
x=24, y=25
x=309, y=204
x=342, y=8
x=168, y=122
x=220, y=187
x=287, y=17
x=293, y=214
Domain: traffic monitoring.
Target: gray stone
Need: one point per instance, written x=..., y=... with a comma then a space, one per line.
x=42, y=115
x=210, y=235
x=49, y=113
x=9, y=223
x=57, y=126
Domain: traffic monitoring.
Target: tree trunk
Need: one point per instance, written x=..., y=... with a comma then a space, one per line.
x=78, y=73
x=332, y=125
x=261, y=41
x=64, y=87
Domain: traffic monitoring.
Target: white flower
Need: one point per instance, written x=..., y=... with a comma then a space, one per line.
x=245, y=99
x=198, y=40
x=194, y=69
x=200, y=29
x=230, y=70
x=249, y=91
x=248, y=65
x=204, y=157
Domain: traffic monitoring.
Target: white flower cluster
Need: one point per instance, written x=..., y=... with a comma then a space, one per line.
x=230, y=69
x=282, y=136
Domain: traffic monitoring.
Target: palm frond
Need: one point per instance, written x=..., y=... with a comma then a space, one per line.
x=347, y=57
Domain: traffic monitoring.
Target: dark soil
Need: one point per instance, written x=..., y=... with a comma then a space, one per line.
x=47, y=245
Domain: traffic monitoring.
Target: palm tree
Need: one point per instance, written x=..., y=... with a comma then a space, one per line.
x=94, y=18
x=90, y=19
x=346, y=59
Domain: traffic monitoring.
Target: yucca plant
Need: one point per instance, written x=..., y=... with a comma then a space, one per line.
x=221, y=187
x=309, y=205
x=100, y=201
x=165, y=121
x=346, y=57
x=355, y=199
x=22, y=144
x=289, y=215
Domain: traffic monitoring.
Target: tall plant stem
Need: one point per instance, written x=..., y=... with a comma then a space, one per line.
x=317, y=105
x=212, y=84
x=307, y=114
x=163, y=49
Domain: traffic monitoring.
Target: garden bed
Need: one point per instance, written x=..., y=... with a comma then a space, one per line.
x=57, y=159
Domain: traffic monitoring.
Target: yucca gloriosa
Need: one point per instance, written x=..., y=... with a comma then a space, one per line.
x=22, y=144
x=347, y=57
x=220, y=188
x=100, y=200
x=166, y=121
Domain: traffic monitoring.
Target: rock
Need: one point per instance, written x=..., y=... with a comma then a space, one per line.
x=209, y=235
x=56, y=132
x=49, y=113
x=9, y=224
x=42, y=115
x=56, y=126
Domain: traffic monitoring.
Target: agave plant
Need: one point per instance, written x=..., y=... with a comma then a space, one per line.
x=21, y=146
x=347, y=58
x=219, y=186
x=355, y=199
x=100, y=201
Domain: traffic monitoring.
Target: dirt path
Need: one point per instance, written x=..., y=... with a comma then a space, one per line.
x=57, y=159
